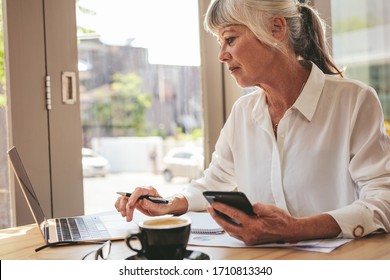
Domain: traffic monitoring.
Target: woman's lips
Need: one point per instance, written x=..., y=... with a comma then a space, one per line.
x=233, y=69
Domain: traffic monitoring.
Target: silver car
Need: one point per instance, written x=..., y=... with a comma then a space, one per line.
x=183, y=162
x=94, y=165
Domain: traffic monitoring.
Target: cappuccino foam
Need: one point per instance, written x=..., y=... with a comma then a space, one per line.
x=165, y=223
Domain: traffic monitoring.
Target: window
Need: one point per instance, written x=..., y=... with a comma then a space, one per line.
x=361, y=43
x=140, y=94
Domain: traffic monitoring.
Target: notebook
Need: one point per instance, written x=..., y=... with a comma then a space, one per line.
x=107, y=226
x=203, y=223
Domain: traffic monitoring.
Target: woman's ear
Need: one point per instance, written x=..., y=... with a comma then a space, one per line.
x=278, y=28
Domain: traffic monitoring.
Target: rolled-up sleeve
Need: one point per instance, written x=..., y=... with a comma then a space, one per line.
x=370, y=169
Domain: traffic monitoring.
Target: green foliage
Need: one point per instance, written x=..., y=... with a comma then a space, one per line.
x=101, y=112
x=129, y=103
x=159, y=132
x=197, y=133
x=86, y=11
x=194, y=135
x=84, y=30
x=3, y=100
x=349, y=25
x=123, y=113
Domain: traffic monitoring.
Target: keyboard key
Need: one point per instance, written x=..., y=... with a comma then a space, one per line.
x=73, y=229
x=59, y=234
x=66, y=236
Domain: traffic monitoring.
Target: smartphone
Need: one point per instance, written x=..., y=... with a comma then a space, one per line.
x=234, y=199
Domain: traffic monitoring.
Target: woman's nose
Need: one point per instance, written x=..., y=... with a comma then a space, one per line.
x=223, y=55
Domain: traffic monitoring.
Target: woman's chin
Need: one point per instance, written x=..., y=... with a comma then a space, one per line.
x=242, y=84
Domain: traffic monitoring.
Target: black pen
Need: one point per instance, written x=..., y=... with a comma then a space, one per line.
x=157, y=200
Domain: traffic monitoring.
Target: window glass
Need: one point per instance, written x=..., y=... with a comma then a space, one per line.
x=361, y=44
x=5, y=199
x=140, y=95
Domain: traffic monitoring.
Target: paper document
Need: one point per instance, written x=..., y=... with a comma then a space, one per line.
x=203, y=220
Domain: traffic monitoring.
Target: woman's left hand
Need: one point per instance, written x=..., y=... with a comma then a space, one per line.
x=270, y=224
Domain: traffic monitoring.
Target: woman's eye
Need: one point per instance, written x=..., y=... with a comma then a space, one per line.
x=230, y=40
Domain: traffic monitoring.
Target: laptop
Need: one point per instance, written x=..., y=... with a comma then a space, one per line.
x=106, y=226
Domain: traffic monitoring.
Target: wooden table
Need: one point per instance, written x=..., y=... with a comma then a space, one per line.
x=19, y=243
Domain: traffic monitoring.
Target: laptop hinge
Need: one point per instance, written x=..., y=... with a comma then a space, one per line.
x=48, y=92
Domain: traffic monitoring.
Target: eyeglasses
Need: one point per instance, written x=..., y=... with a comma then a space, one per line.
x=66, y=243
x=101, y=253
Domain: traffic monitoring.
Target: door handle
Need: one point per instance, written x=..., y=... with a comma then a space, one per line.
x=68, y=80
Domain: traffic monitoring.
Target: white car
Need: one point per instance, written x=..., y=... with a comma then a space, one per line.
x=94, y=165
x=183, y=162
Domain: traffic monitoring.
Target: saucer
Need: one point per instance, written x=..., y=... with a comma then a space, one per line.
x=189, y=255
x=136, y=257
x=196, y=255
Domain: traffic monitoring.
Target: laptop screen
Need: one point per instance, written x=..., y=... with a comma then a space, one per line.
x=26, y=186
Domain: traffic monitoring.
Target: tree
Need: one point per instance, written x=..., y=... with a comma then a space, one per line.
x=129, y=103
x=123, y=112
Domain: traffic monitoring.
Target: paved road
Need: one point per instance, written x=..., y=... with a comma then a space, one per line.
x=100, y=193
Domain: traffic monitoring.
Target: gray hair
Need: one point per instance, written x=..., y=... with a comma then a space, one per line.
x=306, y=30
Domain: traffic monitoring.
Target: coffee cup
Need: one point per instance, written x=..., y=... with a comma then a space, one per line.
x=162, y=238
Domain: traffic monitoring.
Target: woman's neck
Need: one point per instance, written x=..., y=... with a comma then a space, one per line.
x=282, y=92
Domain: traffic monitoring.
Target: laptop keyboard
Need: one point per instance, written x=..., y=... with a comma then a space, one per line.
x=77, y=228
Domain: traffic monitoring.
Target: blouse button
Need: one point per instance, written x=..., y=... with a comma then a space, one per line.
x=358, y=231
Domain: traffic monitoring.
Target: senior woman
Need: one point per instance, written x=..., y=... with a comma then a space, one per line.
x=308, y=147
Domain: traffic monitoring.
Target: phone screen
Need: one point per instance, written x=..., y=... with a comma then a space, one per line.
x=234, y=199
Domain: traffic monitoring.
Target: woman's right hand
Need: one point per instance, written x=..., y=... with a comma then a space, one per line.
x=126, y=205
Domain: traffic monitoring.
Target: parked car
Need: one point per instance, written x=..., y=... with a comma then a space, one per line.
x=183, y=162
x=94, y=165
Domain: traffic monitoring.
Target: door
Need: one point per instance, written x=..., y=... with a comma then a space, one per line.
x=40, y=42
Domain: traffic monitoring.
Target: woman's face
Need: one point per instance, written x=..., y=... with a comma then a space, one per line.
x=247, y=59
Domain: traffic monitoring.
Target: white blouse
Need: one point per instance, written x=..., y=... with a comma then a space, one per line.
x=331, y=154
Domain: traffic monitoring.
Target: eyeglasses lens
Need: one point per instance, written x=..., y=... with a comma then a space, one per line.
x=102, y=252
